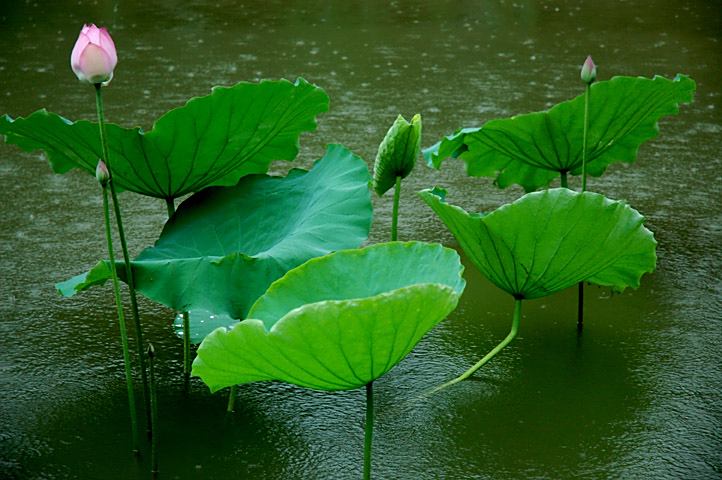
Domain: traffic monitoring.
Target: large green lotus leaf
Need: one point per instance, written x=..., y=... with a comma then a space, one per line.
x=225, y=245
x=550, y=240
x=212, y=140
x=337, y=322
x=397, y=153
x=532, y=149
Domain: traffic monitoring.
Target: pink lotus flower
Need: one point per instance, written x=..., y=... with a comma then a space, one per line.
x=589, y=71
x=102, y=174
x=94, y=58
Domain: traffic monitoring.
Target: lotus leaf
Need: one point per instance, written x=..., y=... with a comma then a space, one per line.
x=550, y=240
x=337, y=322
x=225, y=245
x=397, y=153
x=211, y=141
x=532, y=149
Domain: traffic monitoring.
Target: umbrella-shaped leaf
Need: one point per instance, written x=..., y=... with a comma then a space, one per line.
x=212, y=140
x=532, y=149
x=225, y=245
x=397, y=153
x=548, y=241
x=337, y=322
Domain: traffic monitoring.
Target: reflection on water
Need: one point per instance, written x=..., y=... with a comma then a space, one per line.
x=637, y=397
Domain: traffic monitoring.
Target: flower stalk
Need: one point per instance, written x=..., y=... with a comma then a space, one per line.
x=121, y=319
x=584, y=137
x=154, y=412
x=126, y=257
x=395, y=212
x=588, y=74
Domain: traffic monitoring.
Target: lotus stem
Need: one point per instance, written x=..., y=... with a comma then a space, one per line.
x=126, y=257
x=580, y=308
x=169, y=203
x=584, y=138
x=154, y=412
x=512, y=334
x=121, y=324
x=580, y=299
x=231, y=399
x=395, y=213
x=186, y=349
x=369, y=429
x=563, y=179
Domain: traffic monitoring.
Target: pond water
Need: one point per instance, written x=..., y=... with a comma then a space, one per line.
x=638, y=395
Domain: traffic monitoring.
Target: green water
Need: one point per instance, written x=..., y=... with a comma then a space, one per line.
x=637, y=396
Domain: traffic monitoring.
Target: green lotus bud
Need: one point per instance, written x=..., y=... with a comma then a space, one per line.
x=397, y=153
x=589, y=71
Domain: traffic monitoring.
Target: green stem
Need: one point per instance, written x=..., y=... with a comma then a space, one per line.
x=563, y=180
x=580, y=299
x=512, y=333
x=369, y=429
x=126, y=257
x=121, y=324
x=580, y=308
x=231, y=399
x=395, y=213
x=584, y=138
x=154, y=413
x=186, y=349
x=170, y=205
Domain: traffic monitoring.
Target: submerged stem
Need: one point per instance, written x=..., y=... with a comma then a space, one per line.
x=395, y=213
x=154, y=413
x=126, y=257
x=369, y=429
x=563, y=179
x=512, y=333
x=121, y=324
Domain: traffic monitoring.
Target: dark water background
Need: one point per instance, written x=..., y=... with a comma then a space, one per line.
x=638, y=396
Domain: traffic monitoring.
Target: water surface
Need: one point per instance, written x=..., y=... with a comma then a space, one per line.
x=637, y=396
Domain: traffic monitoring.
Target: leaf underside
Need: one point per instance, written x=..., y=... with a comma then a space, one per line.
x=531, y=150
x=211, y=141
x=225, y=245
x=202, y=322
x=548, y=241
x=371, y=309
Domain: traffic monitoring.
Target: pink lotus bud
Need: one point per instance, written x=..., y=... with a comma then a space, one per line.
x=102, y=173
x=589, y=71
x=94, y=58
